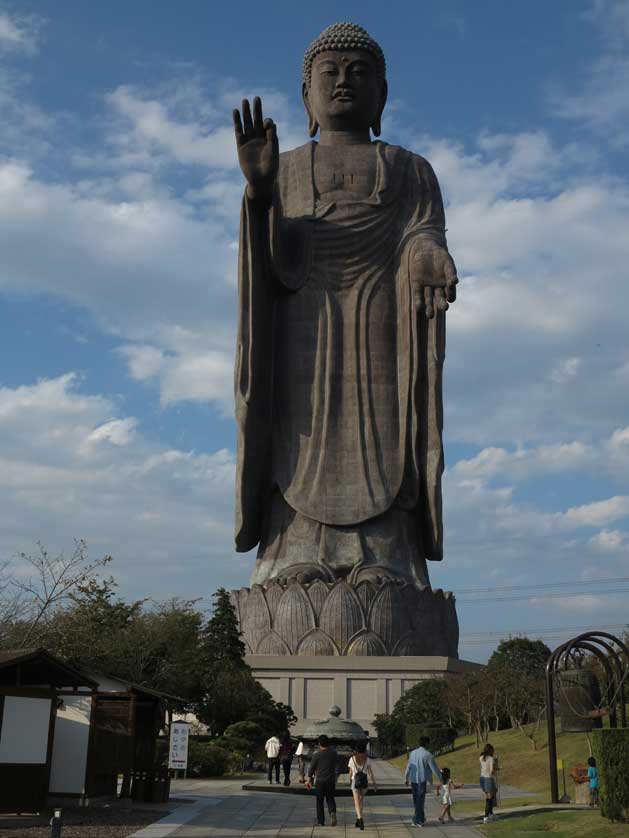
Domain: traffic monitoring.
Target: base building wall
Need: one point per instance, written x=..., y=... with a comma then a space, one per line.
x=362, y=687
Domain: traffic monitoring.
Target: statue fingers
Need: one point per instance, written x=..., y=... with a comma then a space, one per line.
x=429, y=302
x=449, y=271
x=247, y=120
x=270, y=129
x=240, y=137
x=258, y=122
x=418, y=298
x=440, y=299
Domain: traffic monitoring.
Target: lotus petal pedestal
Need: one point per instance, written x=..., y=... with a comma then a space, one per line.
x=321, y=643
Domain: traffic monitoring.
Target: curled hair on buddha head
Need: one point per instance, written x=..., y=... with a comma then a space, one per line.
x=340, y=36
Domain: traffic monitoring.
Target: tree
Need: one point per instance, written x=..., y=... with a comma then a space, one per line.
x=38, y=587
x=222, y=645
x=517, y=669
x=229, y=692
x=424, y=704
x=155, y=645
x=519, y=655
x=390, y=734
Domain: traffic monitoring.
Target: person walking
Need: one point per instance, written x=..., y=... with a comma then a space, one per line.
x=272, y=750
x=286, y=757
x=323, y=770
x=446, y=795
x=593, y=778
x=360, y=773
x=300, y=753
x=419, y=771
x=488, y=767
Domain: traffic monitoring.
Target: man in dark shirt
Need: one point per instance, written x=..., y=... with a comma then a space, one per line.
x=323, y=769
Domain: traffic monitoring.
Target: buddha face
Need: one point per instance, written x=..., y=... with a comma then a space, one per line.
x=345, y=93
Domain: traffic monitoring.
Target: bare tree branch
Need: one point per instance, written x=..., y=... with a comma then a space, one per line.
x=52, y=581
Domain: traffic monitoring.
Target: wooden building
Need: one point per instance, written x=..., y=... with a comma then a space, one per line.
x=32, y=685
x=86, y=732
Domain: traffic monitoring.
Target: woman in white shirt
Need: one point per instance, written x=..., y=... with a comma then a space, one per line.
x=360, y=772
x=300, y=753
x=488, y=780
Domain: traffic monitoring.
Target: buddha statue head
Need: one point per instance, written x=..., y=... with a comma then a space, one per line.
x=344, y=81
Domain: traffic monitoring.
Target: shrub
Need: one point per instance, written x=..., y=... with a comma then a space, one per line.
x=247, y=731
x=207, y=760
x=441, y=738
x=611, y=749
x=390, y=735
x=233, y=744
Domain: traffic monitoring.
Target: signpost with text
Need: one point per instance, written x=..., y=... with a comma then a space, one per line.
x=178, y=751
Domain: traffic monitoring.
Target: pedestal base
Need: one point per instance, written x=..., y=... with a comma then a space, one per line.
x=320, y=619
x=362, y=687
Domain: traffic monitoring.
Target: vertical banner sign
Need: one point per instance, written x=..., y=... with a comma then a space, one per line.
x=178, y=754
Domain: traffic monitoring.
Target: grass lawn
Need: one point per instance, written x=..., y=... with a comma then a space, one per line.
x=477, y=807
x=579, y=824
x=520, y=765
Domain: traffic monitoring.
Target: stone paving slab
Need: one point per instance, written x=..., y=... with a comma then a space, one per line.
x=248, y=814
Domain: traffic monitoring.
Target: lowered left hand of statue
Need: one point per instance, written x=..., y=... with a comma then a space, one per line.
x=433, y=274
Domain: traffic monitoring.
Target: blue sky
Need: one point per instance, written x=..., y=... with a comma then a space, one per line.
x=119, y=199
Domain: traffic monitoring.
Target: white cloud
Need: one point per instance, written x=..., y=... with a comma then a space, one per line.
x=71, y=466
x=182, y=125
x=116, y=431
x=599, y=513
x=18, y=33
x=609, y=540
x=535, y=461
x=576, y=605
x=185, y=142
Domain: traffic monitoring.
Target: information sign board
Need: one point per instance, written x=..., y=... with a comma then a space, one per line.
x=178, y=752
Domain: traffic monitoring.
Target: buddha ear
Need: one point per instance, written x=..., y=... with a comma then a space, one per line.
x=313, y=125
x=376, y=125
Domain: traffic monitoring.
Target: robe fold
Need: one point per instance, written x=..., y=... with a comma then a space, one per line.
x=338, y=379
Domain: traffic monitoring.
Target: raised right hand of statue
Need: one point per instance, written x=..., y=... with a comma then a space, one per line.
x=258, y=150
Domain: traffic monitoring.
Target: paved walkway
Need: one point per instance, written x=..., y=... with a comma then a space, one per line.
x=223, y=810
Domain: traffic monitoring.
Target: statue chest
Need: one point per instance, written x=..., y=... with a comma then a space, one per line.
x=345, y=172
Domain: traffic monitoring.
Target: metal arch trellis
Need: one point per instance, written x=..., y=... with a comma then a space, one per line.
x=614, y=656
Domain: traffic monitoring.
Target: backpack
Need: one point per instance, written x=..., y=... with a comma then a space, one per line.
x=361, y=781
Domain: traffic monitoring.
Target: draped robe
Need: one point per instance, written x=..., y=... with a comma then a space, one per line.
x=338, y=379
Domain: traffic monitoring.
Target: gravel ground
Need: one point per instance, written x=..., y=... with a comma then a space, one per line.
x=81, y=823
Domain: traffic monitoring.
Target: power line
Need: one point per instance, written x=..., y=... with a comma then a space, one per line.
x=554, y=595
x=543, y=629
x=485, y=638
x=579, y=582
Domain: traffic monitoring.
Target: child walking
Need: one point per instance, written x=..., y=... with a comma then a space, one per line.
x=593, y=778
x=446, y=795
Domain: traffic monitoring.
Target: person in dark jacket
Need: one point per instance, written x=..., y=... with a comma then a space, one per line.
x=287, y=751
x=323, y=770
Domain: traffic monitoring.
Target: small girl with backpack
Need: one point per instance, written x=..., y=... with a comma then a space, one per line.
x=360, y=773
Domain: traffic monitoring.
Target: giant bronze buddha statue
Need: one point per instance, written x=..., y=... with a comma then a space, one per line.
x=344, y=281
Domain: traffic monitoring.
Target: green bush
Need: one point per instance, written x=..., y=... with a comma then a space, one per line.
x=441, y=738
x=207, y=760
x=611, y=750
x=248, y=732
x=234, y=744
